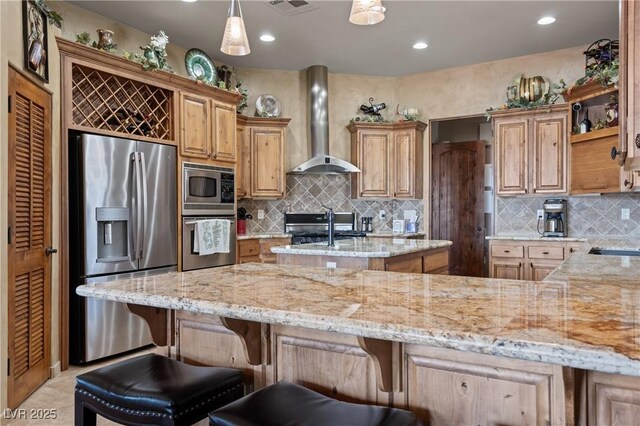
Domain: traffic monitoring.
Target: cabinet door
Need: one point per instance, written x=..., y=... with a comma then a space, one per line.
x=612, y=399
x=195, y=126
x=630, y=52
x=267, y=163
x=242, y=158
x=549, y=153
x=224, y=135
x=404, y=151
x=411, y=265
x=374, y=161
x=539, y=269
x=511, y=156
x=508, y=269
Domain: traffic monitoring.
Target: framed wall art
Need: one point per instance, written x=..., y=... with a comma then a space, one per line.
x=34, y=28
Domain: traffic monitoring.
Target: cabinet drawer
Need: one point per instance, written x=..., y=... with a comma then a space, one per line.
x=436, y=261
x=248, y=248
x=266, y=244
x=503, y=250
x=542, y=252
x=405, y=265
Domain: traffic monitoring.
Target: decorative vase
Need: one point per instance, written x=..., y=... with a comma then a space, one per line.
x=105, y=39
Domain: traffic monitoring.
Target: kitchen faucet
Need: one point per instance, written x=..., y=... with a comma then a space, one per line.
x=331, y=219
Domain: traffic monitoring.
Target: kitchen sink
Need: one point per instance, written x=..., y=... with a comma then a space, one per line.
x=614, y=252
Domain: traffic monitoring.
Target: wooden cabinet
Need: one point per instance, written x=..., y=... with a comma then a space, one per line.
x=242, y=175
x=207, y=128
x=527, y=260
x=612, y=399
x=259, y=249
x=531, y=151
x=446, y=387
x=263, y=174
x=390, y=157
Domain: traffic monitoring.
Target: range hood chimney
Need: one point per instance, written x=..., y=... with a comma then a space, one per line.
x=318, y=113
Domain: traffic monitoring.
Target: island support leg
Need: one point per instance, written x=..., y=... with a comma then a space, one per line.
x=381, y=352
x=160, y=323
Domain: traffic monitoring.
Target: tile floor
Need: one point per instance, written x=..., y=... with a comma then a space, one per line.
x=57, y=394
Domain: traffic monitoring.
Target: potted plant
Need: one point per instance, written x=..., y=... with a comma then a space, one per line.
x=242, y=220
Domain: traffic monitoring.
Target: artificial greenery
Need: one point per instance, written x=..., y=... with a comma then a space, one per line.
x=606, y=75
x=369, y=119
x=52, y=16
x=154, y=55
x=85, y=39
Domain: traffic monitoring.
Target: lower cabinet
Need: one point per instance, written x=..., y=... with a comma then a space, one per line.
x=446, y=387
x=259, y=249
x=434, y=261
x=613, y=399
x=527, y=260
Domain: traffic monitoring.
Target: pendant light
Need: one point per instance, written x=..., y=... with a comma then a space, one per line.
x=366, y=12
x=235, y=41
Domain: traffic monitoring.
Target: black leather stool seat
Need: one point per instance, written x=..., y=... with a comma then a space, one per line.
x=137, y=390
x=287, y=404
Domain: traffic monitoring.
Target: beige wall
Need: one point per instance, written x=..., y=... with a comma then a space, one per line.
x=460, y=91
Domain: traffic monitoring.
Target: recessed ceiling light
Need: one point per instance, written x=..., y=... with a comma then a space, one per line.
x=420, y=45
x=189, y=1
x=546, y=20
x=267, y=37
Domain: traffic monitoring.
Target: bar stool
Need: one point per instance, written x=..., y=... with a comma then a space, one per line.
x=286, y=403
x=153, y=389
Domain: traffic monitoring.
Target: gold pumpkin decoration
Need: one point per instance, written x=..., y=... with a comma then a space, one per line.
x=530, y=89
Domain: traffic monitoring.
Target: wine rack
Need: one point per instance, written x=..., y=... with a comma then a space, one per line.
x=104, y=101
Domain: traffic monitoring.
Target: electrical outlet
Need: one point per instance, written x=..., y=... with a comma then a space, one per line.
x=260, y=214
x=331, y=265
x=624, y=214
x=540, y=214
x=382, y=215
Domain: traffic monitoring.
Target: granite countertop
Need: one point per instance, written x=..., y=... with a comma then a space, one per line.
x=363, y=247
x=391, y=234
x=575, y=322
x=535, y=238
x=262, y=235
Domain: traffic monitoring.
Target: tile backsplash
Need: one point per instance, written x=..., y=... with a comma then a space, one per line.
x=588, y=216
x=307, y=194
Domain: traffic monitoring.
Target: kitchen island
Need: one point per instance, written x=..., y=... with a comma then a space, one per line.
x=378, y=254
x=455, y=350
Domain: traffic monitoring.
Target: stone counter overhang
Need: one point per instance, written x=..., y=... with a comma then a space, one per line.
x=577, y=322
x=364, y=247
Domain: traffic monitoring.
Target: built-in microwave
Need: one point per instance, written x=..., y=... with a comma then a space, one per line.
x=207, y=190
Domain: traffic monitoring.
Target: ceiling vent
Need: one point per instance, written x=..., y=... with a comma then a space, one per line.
x=291, y=7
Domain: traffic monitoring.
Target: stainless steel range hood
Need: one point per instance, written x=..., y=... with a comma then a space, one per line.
x=318, y=113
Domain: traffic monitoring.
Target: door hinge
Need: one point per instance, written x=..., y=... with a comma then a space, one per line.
x=9, y=106
x=9, y=235
x=8, y=366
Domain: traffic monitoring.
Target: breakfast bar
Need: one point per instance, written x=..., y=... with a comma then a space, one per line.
x=455, y=350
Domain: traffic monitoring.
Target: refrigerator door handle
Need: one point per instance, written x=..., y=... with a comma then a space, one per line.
x=144, y=208
x=137, y=196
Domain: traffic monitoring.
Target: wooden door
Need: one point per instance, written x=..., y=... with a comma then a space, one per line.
x=457, y=204
x=267, y=163
x=404, y=150
x=29, y=261
x=224, y=142
x=511, y=156
x=549, y=153
x=374, y=161
x=195, y=126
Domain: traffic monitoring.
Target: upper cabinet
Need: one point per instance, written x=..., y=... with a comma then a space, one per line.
x=261, y=163
x=389, y=157
x=629, y=99
x=531, y=151
x=207, y=128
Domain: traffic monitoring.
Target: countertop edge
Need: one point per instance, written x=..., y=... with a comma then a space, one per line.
x=569, y=356
x=354, y=253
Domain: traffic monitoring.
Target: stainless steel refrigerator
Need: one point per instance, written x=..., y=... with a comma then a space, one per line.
x=123, y=223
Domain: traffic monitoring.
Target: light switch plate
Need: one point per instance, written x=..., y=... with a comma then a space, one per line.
x=624, y=214
x=260, y=214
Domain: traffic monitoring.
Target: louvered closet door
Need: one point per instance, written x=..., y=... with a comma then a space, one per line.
x=30, y=234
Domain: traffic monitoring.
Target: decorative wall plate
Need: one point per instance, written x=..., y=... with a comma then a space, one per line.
x=200, y=66
x=268, y=106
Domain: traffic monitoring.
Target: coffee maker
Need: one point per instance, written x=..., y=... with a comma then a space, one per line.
x=555, y=218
